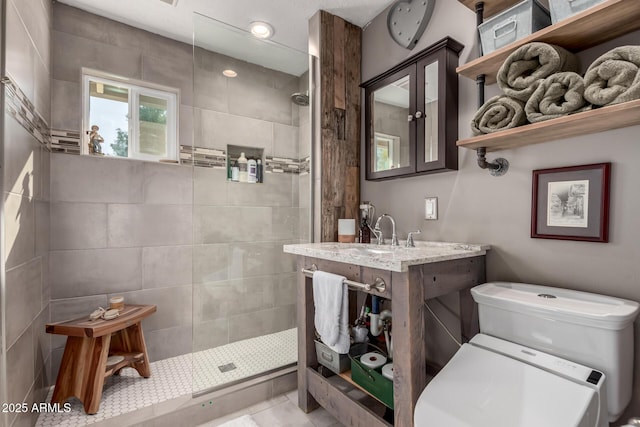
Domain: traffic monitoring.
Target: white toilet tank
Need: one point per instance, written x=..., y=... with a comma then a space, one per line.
x=590, y=329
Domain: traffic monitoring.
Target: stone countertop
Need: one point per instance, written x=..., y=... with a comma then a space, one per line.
x=386, y=257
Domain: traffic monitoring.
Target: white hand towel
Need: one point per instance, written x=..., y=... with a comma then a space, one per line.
x=331, y=300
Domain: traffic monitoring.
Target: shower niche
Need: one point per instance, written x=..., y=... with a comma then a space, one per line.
x=234, y=152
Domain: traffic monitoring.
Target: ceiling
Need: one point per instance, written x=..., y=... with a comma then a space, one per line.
x=288, y=17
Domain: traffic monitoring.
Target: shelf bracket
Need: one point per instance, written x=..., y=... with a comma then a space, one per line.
x=479, y=20
x=498, y=167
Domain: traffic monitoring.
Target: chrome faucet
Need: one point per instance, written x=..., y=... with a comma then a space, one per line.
x=378, y=232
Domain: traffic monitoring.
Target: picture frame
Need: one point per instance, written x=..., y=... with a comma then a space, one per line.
x=571, y=203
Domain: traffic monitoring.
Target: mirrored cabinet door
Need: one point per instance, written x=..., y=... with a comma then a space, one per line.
x=389, y=104
x=411, y=115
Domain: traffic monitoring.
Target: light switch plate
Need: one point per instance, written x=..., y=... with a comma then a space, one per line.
x=431, y=208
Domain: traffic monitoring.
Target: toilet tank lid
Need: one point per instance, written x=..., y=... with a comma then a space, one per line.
x=563, y=304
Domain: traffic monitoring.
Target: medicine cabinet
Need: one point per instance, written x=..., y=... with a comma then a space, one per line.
x=411, y=115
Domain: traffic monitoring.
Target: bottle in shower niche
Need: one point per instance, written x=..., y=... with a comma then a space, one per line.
x=259, y=172
x=242, y=168
x=235, y=172
x=252, y=171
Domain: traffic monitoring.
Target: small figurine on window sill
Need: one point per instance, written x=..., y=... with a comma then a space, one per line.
x=95, y=140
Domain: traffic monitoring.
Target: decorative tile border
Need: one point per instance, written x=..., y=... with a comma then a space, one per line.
x=19, y=107
x=203, y=157
x=63, y=141
x=68, y=142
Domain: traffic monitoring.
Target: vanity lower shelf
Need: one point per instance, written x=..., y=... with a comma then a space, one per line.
x=345, y=400
x=597, y=120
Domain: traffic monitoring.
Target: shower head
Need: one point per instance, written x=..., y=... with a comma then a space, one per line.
x=300, y=98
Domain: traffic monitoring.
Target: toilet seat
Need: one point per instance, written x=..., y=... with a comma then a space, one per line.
x=494, y=383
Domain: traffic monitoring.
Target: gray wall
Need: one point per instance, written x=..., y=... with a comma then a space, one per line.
x=206, y=251
x=249, y=290
x=26, y=211
x=476, y=207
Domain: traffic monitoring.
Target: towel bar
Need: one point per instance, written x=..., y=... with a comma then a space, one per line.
x=378, y=285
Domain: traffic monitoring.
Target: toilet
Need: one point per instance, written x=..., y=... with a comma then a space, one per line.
x=544, y=357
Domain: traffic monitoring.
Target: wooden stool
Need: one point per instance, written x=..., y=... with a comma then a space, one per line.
x=89, y=344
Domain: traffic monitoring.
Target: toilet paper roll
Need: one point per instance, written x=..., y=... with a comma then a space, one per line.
x=373, y=360
x=387, y=371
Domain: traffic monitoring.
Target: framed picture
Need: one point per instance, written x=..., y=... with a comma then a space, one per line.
x=571, y=203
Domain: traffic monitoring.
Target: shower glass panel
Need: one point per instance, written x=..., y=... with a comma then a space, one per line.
x=250, y=97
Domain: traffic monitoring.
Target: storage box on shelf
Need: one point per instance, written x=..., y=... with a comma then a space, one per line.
x=561, y=9
x=593, y=26
x=512, y=24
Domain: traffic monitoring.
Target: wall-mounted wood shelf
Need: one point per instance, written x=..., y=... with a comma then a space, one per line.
x=491, y=7
x=600, y=23
x=598, y=120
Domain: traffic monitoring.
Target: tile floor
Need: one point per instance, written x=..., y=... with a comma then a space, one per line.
x=281, y=411
x=172, y=378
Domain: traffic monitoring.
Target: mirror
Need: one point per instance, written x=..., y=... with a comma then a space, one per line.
x=411, y=115
x=390, y=107
x=431, y=112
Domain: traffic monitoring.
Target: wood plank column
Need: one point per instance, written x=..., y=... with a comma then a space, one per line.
x=337, y=44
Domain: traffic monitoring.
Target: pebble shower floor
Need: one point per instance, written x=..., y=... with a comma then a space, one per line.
x=181, y=375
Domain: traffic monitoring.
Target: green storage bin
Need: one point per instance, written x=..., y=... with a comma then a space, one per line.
x=371, y=379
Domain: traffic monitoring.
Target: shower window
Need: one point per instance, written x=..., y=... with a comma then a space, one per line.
x=132, y=119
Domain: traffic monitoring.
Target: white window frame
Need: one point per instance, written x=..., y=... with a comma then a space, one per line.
x=136, y=88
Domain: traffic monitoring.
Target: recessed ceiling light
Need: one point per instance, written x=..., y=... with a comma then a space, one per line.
x=261, y=30
x=229, y=73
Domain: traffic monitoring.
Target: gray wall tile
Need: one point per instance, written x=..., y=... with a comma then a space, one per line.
x=38, y=24
x=20, y=53
x=22, y=173
x=147, y=225
x=185, y=131
x=260, y=323
x=66, y=105
x=210, y=263
x=210, y=334
x=91, y=179
x=285, y=223
x=166, y=70
x=221, y=129
x=213, y=224
x=164, y=266
x=285, y=141
x=78, y=226
x=23, y=290
x=178, y=338
x=73, y=308
x=276, y=190
x=42, y=89
x=213, y=89
x=94, y=272
x=41, y=342
x=46, y=288
x=42, y=227
x=285, y=289
x=84, y=24
x=210, y=186
x=259, y=259
x=249, y=98
x=45, y=169
x=19, y=227
x=227, y=298
x=20, y=368
x=167, y=184
x=71, y=53
x=173, y=306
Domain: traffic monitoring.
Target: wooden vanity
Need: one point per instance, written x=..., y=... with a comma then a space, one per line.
x=412, y=275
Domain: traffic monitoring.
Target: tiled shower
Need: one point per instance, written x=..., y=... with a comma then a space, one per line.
x=206, y=251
